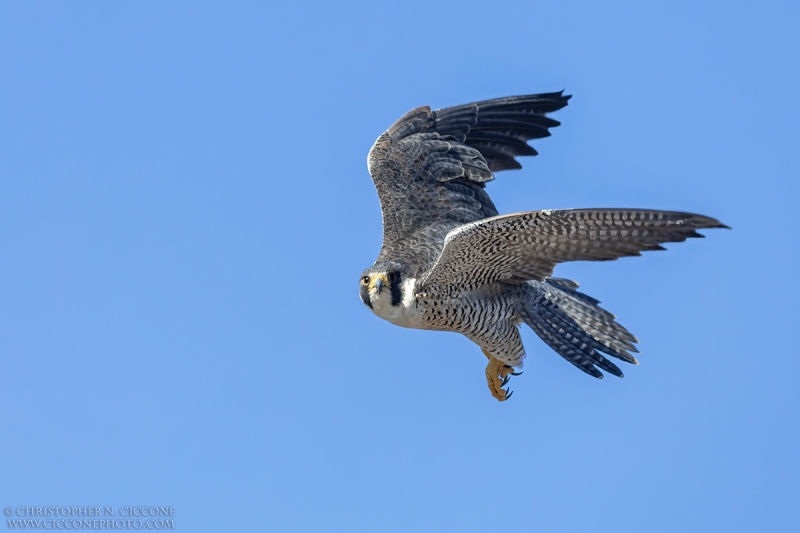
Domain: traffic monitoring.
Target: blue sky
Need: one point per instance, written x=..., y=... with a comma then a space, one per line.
x=185, y=210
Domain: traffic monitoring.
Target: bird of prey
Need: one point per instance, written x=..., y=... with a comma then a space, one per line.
x=449, y=263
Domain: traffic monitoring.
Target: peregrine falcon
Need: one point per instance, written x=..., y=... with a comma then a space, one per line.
x=449, y=263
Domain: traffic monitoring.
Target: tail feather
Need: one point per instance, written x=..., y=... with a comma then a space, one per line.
x=568, y=339
x=567, y=327
x=564, y=283
x=607, y=332
x=575, y=327
x=601, y=322
x=565, y=349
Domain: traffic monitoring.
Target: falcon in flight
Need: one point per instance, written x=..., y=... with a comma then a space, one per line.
x=449, y=263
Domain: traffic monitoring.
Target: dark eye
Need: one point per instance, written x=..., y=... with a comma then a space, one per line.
x=365, y=280
x=394, y=277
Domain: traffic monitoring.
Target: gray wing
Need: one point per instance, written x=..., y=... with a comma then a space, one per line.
x=430, y=168
x=527, y=246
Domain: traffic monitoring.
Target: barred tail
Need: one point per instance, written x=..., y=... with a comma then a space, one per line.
x=576, y=327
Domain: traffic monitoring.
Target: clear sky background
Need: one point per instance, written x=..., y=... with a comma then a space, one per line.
x=185, y=211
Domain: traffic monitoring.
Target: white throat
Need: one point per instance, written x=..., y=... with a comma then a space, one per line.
x=403, y=314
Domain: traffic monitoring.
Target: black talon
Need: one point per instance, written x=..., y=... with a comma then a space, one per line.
x=516, y=373
x=505, y=380
x=508, y=394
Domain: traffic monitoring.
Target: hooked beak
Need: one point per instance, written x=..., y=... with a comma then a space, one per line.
x=378, y=282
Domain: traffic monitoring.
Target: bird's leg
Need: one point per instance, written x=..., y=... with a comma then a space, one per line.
x=497, y=375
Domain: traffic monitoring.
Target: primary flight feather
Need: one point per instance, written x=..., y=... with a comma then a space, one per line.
x=448, y=261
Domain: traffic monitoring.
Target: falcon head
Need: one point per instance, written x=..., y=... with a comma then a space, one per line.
x=383, y=286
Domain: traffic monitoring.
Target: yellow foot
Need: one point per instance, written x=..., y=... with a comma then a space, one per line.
x=497, y=375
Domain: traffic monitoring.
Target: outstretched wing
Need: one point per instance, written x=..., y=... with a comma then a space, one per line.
x=430, y=168
x=527, y=246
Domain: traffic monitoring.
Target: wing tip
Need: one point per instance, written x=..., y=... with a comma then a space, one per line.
x=711, y=223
